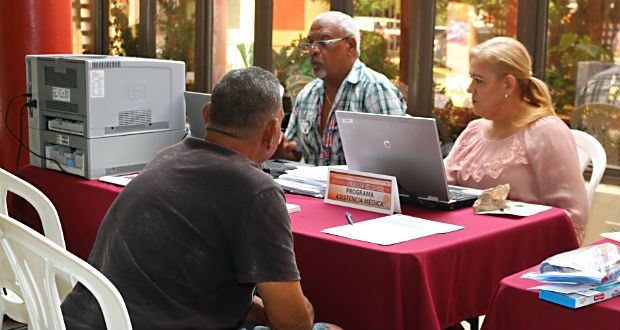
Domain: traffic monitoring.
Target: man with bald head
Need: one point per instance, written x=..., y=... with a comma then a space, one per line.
x=343, y=83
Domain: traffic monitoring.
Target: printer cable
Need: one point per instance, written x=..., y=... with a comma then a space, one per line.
x=20, y=138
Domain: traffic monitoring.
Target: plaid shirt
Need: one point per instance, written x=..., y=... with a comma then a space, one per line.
x=604, y=87
x=363, y=90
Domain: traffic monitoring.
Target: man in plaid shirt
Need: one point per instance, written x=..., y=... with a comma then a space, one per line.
x=343, y=83
x=603, y=87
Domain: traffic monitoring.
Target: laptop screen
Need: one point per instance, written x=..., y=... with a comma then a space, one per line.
x=195, y=103
x=403, y=146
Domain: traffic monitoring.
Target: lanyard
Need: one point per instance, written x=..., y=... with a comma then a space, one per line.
x=331, y=124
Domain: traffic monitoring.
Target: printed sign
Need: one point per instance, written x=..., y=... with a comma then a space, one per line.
x=97, y=83
x=366, y=191
x=61, y=94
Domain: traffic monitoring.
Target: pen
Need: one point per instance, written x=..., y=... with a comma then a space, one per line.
x=349, y=217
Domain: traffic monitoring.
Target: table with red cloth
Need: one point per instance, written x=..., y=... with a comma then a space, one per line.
x=428, y=283
x=516, y=307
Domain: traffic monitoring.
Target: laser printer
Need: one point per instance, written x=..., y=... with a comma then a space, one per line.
x=96, y=115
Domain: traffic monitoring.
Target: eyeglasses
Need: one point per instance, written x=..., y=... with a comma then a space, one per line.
x=306, y=46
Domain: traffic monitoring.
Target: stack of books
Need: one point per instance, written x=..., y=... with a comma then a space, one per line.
x=580, y=277
x=584, y=297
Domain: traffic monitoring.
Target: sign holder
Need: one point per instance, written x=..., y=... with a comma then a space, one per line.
x=362, y=190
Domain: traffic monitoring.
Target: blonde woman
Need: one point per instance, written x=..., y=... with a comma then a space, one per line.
x=519, y=140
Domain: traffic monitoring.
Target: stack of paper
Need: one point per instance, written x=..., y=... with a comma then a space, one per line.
x=580, y=277
x=305, y=180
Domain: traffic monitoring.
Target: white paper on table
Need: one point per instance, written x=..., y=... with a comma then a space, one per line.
x=615, y=235
x=564, y=288
x=119, y=180
x=519, y=209
x=580, y=288
x=293, y=208
x=391, y=229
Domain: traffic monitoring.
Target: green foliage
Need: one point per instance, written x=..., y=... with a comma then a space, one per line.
x=291, y=60
x=374, y=7
x=570, y=42
x=175, y=21
x=562, y=70
x=125, y=41
x=494, y=9
x=247, y=54
x=292, y=67
x=373, y=49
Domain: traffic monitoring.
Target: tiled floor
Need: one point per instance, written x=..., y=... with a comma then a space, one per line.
x=605, y=207
x=467, y=326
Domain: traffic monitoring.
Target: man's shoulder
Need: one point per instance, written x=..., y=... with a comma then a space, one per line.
x=310, y=89
x=369, y=75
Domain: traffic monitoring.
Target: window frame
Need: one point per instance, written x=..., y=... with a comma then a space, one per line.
x=416, y=44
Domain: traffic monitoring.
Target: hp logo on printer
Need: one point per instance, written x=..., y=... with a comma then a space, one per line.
x=387, y=144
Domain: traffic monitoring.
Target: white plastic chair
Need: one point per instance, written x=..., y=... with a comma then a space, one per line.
x=590, y=149
x=36, y=263
x=10, y=301
x=47, y=212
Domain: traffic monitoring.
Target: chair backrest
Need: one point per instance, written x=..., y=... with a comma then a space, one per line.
x=46, y=210
x=590, y=149
x=603, y=122
x=36, y=261
x=11, y=303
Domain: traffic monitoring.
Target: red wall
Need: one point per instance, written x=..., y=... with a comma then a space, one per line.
x=288, y=14
x=27, y=27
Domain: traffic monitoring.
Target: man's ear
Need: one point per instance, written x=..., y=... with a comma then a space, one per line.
x=270, y=135
x=205, y=112
x=353, y=44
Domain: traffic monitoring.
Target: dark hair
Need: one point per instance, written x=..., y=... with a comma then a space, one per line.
x=244, y=100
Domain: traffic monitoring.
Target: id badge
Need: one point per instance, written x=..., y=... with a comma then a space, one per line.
x=305, y=127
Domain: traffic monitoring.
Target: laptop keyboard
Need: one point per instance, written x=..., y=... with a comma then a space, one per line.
x=272, y=167
x=456, y=194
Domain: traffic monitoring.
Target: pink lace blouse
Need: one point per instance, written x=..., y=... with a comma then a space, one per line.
x=540, y=163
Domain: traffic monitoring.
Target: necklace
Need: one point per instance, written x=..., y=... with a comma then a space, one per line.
x=328, y=101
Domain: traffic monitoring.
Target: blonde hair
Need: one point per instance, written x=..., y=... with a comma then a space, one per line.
x=507, y=56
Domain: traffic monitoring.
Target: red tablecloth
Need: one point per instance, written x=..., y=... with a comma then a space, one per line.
x=516, y=307
x=428, y=283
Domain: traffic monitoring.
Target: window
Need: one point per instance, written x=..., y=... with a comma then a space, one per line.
x=83, y=27
x=233, y=30
x=123, y=27
x=291, y=22
x=459, y=26
x=583, y=68
x=582, y=42
x=379, y=24
x=175, y=26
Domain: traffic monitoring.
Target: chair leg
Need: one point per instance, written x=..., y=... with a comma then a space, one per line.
x=473, y=323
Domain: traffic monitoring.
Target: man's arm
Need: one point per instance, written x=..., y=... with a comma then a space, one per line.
x=285, y=306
